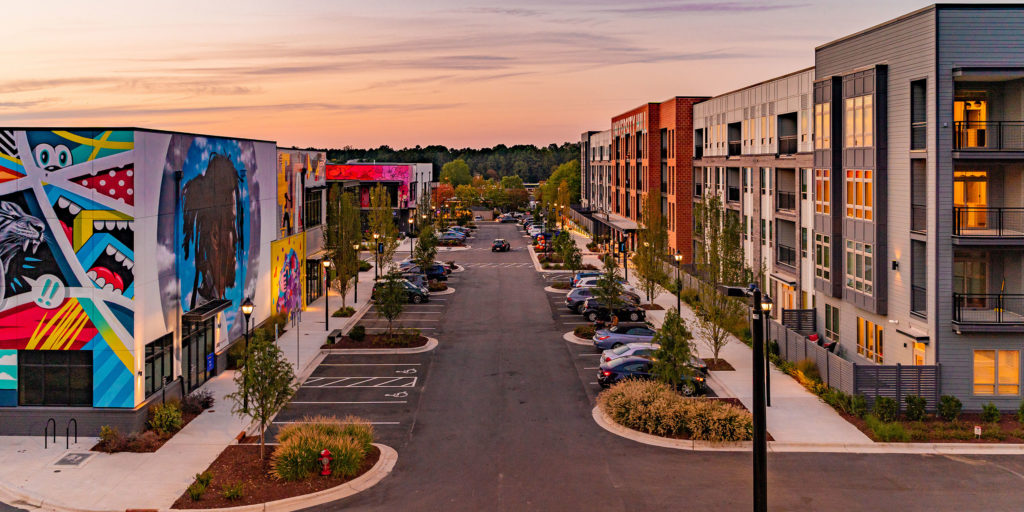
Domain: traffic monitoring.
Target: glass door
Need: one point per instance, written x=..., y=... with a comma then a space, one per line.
x=197, y=349
x=970, y=277
x=970, y=115
x=970, y=192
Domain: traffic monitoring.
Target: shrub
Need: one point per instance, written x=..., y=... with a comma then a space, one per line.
x=886, y=431
x=364, y=266
x=886, y=409
x=713, y=420
x=236, y=355
x=196, y=491
x=197, y=402
x=992, y=431
x=809, y=369
x=858, y=406
x=166, y=418
x=357, y=333
x=234, y=491
x=562, y=285
x=990, y=413
x=655, y=408
x=915, y=407
x=949, y=407
x=690, y=296
x=204, y=478
x=147, y=441
x=344, y=312
x=1020, y=412
x=300, y=445
x=436, y=286
x=584, y=331
x=111, y=439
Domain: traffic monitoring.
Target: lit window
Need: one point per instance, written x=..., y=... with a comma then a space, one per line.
x=822, y=248
x=822, y=191
x=859, y=192
x=869, y=340
x=859, y=122
x=996, y=372
x=831, y=323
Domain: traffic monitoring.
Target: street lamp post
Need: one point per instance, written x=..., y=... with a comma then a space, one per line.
x=679, y=284
x=376, y=256
x=326, y=263
x=766, y=306
x=411, y=220
x=247, y=308
x=355, y=285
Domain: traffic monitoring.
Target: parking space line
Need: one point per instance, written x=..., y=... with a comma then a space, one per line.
x=383, y=384
x=594, y=368
x=400, y=327
x=356, y=384
x=369, y=364
x=347, y=403
x=578, y=323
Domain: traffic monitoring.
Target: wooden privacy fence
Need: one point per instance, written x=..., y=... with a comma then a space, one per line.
x=871, y=381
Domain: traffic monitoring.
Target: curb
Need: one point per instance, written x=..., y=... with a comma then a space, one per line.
x=447, y=291
x=383, y=467
x=550, y=289
x=571, y=338
x=608, y=424
x=536, y=262
x=431, y=345
x=453, y=249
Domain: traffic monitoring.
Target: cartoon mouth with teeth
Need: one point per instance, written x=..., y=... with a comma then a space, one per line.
x=102, y=239
x=112, y=271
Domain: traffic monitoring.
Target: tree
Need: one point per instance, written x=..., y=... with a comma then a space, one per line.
x=652, y=246
x=456, y=173
x=267, y=379
x=442, y=194
x=513, y=181
x=390, y=299
x=568, y=173
x=382, y=221
x=572, y=258
x=518, y=198
x=340, y=235
x=609, y=287
x=467, y=195
x=672, y=360
x=426, y=247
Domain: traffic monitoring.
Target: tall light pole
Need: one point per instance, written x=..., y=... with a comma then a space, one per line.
x=411, y=221
x=246, y=308
x=766, y=306
x=376, y=256
x=355, y=285
x=679, y=284
x=326, y=263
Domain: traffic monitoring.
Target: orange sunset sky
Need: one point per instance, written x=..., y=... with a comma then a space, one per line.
x=401, y=73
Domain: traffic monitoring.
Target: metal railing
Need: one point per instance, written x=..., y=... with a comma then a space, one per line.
x=918, y=217
x=988, y=222
x=785, y=200
x=988, y=308
x=988, y=136
x=735, y=148
x=787, y=145
x=785, y=255
x=918, y=299
x=733, y=194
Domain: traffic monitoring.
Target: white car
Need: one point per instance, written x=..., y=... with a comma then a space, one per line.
x=629, y=349
x=590, y=282
x=533, y=231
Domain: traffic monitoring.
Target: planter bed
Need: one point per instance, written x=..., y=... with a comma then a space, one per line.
x=652, y=307
x=936, y=430
x=240, y=463
x=149, y=441
x=721, y=366
x=376, y=341
x=562, y=285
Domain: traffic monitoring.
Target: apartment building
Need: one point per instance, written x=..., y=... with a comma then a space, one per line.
x=919, y=196
x=595, y=164
x=753, y=149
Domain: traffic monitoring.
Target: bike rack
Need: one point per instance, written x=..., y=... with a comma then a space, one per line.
x=67, y=432
x=47, y=431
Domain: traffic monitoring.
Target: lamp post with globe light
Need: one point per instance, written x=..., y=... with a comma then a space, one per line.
x=327, y=293
x=355, y=285
x=679, y=284
x=246, y=308
x=376, y=256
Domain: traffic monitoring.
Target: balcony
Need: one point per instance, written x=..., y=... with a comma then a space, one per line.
x=988, y=136
x=988, y=225
x=787, y=145
x=785, y=201
x=785, y=255
x=988, y=312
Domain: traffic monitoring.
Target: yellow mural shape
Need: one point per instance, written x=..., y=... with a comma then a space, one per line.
x=288, y=273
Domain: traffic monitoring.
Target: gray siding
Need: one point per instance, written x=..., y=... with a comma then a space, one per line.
x=989, y=36
x=907, y=47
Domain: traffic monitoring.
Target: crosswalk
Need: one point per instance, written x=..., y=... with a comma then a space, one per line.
x=497, y=265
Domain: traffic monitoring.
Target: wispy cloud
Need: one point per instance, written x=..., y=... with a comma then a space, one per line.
x=115, y=112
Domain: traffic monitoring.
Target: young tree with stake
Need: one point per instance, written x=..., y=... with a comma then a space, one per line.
x=267, y=379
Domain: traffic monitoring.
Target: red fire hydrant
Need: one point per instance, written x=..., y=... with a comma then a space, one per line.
x=325, y=462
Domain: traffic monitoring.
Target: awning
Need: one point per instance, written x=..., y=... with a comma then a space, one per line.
x=913, y=333
x=617, y=221
x=206, y=311
x=784, y=280
x=318, y=255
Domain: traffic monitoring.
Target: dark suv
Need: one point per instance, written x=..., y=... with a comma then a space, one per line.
x=577, y=296
x=593, y=311
x=500, y=245
x=414, y=294
x=635, y=367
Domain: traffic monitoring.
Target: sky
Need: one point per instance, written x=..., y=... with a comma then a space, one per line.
x=331, y=74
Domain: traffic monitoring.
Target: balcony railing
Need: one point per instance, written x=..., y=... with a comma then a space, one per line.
x=735, y=148
x=919, y=218
x=785, y=200
x=785, y=255
x=988, y=308
x=733, y=194
x=787, y=145
x=988, y=136
x=973, y=221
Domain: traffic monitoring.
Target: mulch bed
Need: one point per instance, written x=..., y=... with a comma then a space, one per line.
x=241, y=463
x=937, y=430
x=562, y=285
x=652, y=307
x=721, y=366
x=375, y=341
x=150, y=447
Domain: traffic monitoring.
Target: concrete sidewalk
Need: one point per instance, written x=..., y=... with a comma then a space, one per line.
x=796, y=415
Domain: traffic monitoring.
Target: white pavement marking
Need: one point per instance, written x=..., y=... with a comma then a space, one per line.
x=594, y=368
x=344, y=403
x=361, y=382
x=370, y=364
x=399, y=327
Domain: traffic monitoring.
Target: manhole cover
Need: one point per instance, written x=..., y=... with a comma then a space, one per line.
x=73, y=459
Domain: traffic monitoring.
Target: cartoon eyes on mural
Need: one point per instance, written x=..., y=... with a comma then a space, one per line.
x=53, y=158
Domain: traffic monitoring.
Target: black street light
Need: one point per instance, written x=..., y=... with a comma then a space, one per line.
x=679, y=284
x=766, y=306
x=376, y=256
x=327, y=293
x=411, y=220
x=758, y=311
x=355, y=285
x=247, y=313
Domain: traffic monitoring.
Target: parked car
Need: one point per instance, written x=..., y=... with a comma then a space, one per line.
x=461, y=229
x=634, y=367
x=593, y=310
x=507, y=219
x=533, y=231
x=500, y=245
x=415, y=278
x=414, y=294
x=449, y=236
x=629, y=349
x=590, y=282
x=575, y=298
x=478, y=218
x=622, y=335
x=582, y=275
x=435, y=272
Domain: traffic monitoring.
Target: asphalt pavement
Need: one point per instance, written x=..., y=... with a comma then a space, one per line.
x=503, y=423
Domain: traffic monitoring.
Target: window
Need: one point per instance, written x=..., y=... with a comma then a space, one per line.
x=159, y=355
x=859, y=122
x=831, y=322
x=859, y=194
x=822, y=126
x=822, y=255
x=313, y=206
x=803, y=242
x=918, y=278
x=996, y=372
x=804, y=179
x=869, y=340
x=763, y=231
x=822, y=191
x=746, y=226
x=55, y=377
x=918, y=114
x=859, y=267
x=764, y=180
x=746, y=179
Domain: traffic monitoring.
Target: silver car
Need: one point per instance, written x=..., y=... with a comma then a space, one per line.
x=621, y=335
x=629, y=349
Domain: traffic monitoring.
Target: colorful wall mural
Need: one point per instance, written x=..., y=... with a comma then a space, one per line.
x=297, y=171
x=374, y=172
x=67, y=253
x=288, y=273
